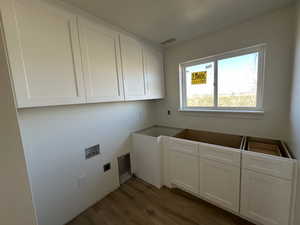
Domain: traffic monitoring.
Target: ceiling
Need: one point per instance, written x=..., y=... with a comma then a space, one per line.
x=159, y=20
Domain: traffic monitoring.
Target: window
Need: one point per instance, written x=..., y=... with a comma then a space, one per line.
x=231, y=81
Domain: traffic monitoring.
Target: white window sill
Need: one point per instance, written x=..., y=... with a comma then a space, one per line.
x=223, y=111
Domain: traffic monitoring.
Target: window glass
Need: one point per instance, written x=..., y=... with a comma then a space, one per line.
x=200, y=85
x=228, y=81
x=237, y=81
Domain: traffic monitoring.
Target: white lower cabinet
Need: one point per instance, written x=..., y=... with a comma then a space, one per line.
x=220, y=183
x=256, y=186
x=267, y=187
x=147, y=153
x=183, y=164
x=265, y=199
x=209, y=171
x=146, y=158
x=183, y=171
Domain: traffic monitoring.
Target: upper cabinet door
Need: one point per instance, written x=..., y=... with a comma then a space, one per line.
x=44, y=53
x=133, y=69
x=155, y=73
x=101, y=62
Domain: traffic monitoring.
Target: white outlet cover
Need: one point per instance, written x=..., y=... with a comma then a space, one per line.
x=81, y=181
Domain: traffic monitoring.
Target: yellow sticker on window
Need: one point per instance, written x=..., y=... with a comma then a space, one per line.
x=199, y=77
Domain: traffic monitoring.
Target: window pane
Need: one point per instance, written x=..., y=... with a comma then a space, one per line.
x=200, y=85
x=237, y=81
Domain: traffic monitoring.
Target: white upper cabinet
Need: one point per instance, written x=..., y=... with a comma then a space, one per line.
x=57, y=59
x=101, y=62
x=154, y=70
x=43, y=49
x=133, y=69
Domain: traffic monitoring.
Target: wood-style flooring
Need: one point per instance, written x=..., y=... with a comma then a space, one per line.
x=138, y=203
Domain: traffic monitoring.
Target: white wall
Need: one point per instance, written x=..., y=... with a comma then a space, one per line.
x=54, y=141
x=294, y=122
x=63, y=182
x=15, y=197
x=276, y=30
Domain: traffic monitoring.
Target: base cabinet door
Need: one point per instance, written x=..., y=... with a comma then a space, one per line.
x=265, y=199
x=220, y=183
x=183, y=169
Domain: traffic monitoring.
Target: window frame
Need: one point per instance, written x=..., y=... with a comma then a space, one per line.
x=261, y=49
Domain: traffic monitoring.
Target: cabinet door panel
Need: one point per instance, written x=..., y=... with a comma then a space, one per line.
x=101, y=60
x=265, y=199
x=183, y=170
x=133, y=69
x=45, y=56
x=220, y=183
x=147, y=158
x=155, y=73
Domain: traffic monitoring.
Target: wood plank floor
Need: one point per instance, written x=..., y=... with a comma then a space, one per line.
x=138, y=203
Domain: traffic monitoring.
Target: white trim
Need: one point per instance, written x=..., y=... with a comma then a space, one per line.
x=227, y=54
x=261, y=49
x=216, y=85
x=223, y=110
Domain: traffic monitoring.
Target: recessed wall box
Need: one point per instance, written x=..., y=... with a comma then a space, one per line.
x=92, y=151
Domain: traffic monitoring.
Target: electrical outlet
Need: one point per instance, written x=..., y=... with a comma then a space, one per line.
x=106, y=167
x=92, y=151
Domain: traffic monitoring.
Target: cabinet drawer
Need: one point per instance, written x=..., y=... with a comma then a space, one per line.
x=269, y=165
x=180, y=145
x=220, y=154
